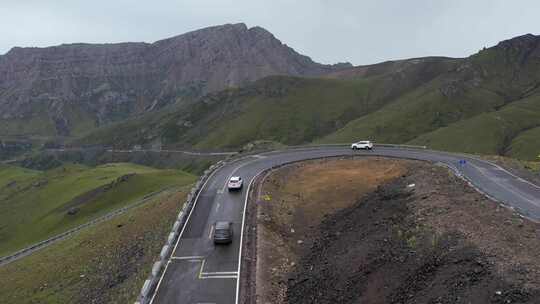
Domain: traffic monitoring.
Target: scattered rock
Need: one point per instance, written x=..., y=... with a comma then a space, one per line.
x=11, y=184
x=73, y=211
x=39, y=183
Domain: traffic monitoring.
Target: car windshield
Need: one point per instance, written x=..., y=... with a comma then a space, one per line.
x=363, y=142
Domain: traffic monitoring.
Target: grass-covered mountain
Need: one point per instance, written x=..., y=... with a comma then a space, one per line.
x=486, y=103
x=68, y=89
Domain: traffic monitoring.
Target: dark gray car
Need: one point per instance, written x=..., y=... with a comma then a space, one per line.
x=223, y=232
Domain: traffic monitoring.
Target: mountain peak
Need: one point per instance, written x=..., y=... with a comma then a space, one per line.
x=523, y=41
x=112, y=81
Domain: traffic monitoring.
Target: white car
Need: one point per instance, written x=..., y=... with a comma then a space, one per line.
x=365, y=144
x=235, y=183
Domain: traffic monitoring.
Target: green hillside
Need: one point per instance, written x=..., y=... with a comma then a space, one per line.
x=526, y=145
x=36, y=205
x=414, y=114
x=485, y=103
x=104, y=263
x=511, y=131
x=289, y=110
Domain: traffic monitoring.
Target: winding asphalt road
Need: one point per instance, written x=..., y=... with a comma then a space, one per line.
x=201, y=272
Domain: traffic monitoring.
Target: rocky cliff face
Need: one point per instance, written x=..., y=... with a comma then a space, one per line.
x=73, y=87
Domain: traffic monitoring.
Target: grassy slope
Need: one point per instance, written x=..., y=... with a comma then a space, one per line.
x=495, y=132
x=36, y=206
x=424, y=110
x=526, y=145
x=288, y=110
x=39, y=124
x=15, y=174
x=107, y=263
x=284, y=109
x=42, y=125
x=135, y=130
x=312, y=108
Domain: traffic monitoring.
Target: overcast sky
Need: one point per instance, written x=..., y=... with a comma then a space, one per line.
x=357, y=31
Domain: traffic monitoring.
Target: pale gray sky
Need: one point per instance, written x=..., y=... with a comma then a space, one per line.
x=357, y=31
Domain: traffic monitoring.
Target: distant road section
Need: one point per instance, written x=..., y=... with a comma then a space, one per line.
x=201, y=272
x=147, y=150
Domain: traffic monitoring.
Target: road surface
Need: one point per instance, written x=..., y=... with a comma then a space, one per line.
x=200, y=272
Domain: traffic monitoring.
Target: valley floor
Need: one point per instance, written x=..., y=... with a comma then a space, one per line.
x=375, y=230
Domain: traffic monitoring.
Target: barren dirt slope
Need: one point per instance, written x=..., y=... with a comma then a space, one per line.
x=336, y=232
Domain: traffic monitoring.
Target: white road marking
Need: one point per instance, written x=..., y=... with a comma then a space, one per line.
x=219, y=273
x=216, y=275
x=210, y=233
x=195, y=257
x=242, y=235
x=219, y=277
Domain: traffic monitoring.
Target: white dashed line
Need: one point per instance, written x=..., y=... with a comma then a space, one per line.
x=210, y=233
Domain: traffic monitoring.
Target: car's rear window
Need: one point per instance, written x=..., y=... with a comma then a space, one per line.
x=222, y=226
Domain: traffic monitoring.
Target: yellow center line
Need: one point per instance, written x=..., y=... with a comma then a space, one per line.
x=201, y=270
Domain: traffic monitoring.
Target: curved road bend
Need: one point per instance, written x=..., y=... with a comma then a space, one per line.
x=199, y=272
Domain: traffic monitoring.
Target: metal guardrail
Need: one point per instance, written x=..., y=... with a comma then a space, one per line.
x=109, y=150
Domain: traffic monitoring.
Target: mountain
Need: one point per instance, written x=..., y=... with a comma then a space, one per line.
x=487, y=103
x=69, y=89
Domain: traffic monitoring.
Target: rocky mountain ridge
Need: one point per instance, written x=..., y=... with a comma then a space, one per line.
x=67, y=89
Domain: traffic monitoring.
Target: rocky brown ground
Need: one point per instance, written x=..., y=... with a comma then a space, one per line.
x=330, y=232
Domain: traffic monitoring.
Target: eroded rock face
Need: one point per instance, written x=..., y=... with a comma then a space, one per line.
x=108, y=82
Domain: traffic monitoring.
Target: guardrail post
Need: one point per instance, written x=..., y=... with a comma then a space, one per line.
x=176, y=226
x=156, y=268
x=171, y=238
x=164, y=252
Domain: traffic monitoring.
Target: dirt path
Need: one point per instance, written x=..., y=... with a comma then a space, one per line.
x=380, y=230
